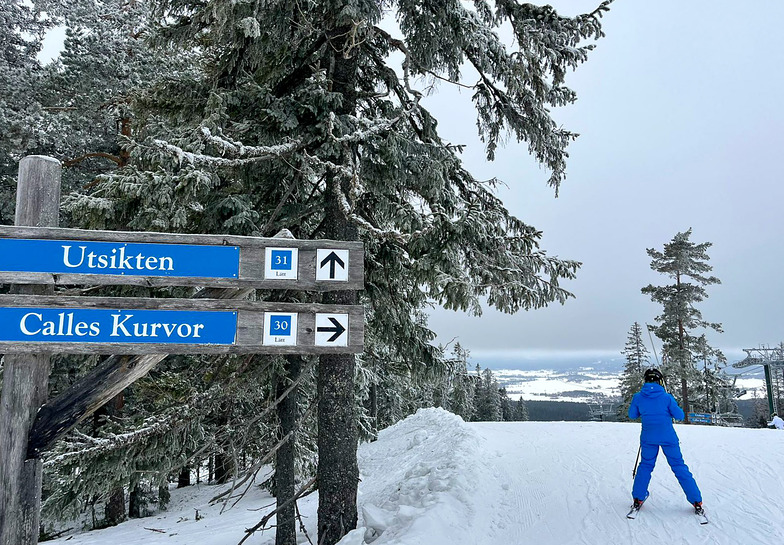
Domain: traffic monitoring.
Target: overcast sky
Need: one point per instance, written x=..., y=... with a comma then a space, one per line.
x=680, y=125
x=680, y=120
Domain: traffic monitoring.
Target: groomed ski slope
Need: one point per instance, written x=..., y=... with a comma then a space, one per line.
x=434, y=480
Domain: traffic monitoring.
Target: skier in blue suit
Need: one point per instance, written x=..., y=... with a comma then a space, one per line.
x=657, y=408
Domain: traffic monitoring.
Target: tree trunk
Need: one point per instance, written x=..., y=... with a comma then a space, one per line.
x=114, y=510
x=184, y=478
x=26, y=376
x=224, y=468
x=136, y=502
x=285, y=461
x=684, y=383
x=373, y=401
x=338, y=472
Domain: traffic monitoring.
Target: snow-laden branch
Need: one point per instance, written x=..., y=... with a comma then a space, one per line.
x=371, y=129
x=115, y=442
x=240, y=151
x=245, y=155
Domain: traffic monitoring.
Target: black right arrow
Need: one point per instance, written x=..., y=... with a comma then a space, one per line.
x=338, y=329
x=332, y=258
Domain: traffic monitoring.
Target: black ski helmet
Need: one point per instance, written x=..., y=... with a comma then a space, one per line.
x=654, y=375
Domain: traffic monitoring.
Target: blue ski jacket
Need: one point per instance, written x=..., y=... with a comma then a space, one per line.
x=657, y=409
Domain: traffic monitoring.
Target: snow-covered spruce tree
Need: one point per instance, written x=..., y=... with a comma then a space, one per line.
x=685, y=262
x=301, y=117
x=507, y=409
x=637, y=360
x=20, y=112
x=520, y=410
x=487, y=401
x=76, y=108
x=715, y=390
x=84, y=102
x=761, y=414
x=86, y=90
x=461, y=396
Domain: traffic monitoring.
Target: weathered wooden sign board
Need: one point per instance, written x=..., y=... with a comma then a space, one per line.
x=52, y=255
x=38, y=255
x=119, y=325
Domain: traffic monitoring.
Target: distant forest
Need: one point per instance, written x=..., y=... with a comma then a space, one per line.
x=543, y=411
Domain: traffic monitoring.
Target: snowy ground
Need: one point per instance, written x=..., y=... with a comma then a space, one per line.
x=435, y=480
x=581, y=385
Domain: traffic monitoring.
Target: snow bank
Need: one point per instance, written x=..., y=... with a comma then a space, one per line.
x=418, y=481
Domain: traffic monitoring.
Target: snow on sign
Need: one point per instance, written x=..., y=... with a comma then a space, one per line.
x=280, y=328
x=331, y=329
x=280, y=263
x=332, y=264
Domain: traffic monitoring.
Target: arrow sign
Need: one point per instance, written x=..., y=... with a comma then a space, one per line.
x=331, y=329
x=332, y=264
x=337, y=328
x=332, y=259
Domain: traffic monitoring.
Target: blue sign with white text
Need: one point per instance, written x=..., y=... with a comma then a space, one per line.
x=281, y=260
x=117, y=326
x=118, y=258
x=280, y=325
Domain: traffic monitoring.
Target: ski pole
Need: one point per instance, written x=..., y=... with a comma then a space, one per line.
x=637, y=461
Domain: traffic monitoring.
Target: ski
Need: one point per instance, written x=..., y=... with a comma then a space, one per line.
x=701, y=517
x=633, y=513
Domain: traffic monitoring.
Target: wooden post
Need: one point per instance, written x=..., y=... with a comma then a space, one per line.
x=26, y=376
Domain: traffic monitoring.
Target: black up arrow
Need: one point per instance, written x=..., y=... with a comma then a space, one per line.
x=338, y=329
x=332, y=259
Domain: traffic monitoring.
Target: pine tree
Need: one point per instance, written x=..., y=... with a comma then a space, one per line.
x=761, y=415
x=637, y=360
x=686, y=263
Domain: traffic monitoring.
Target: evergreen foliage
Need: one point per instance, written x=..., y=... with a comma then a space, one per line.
x=230, y=117
x=637, y=361
x=21, y=127
x=488, y=398
x=684, y=262
x=463, y=393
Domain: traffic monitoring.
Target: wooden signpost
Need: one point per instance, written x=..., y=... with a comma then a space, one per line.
x=36, y=256
x=120, y=325
x=52, y=256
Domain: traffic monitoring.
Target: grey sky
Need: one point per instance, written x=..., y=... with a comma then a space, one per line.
x=680, y=116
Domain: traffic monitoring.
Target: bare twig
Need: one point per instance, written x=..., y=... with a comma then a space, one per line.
x=253, y=471
x=250, y=531
x=77, y=160
x=302, y=524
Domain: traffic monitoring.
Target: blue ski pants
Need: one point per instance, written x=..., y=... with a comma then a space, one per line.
x=672, y=452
